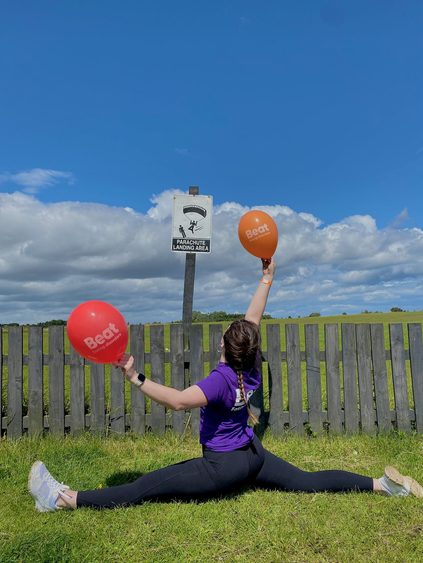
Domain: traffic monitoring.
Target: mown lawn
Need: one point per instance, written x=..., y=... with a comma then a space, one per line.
x=251, y=526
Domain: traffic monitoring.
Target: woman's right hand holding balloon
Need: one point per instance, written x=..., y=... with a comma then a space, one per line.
x=126, y=364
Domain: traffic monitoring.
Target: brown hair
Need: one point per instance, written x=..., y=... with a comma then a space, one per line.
x=242, y=345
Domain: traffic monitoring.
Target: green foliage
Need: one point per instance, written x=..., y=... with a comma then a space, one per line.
x=54, y=322
x=397, y=310
x=219, y=316
x=314, y=315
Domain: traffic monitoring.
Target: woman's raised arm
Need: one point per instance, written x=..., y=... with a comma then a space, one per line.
x=258, y=302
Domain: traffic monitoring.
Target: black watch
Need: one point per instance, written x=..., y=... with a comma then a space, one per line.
x=141, y=379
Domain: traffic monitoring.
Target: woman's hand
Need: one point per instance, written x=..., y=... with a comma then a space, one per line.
x=269, y=267
x=126, y=364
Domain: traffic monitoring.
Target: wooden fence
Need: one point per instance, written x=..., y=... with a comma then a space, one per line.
x=354, y=385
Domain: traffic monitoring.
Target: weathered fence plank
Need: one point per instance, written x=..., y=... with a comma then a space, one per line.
x=97, y=387
x=1, y=381
x=364, y=361
x=77, y=393
x=275, y=378
x=56, y=381
x=380, y=378
x=215, y=338
x=196, y=369
x=333, y=387
x=294, y=379
x=314, y=384
x=117, y=401
x=14, y=383
x=349, y=368
x=35, y=381
x=257, y=399
x=416, y=362
x=399, y=376
x=158, y=413
x=137, y=346
x=177, y=371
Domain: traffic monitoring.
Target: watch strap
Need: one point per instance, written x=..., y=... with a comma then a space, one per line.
x=140, y=380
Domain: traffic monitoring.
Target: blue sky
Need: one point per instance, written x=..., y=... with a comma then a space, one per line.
x=309, y=107
x=314, y=105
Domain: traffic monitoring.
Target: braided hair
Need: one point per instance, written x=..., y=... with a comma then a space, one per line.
x=242, y=344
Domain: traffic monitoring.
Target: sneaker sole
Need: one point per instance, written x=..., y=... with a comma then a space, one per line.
x=34, y=465
x=39, y=507
x=415, y=488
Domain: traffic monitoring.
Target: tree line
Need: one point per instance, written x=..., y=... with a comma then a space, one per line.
x=197, y=317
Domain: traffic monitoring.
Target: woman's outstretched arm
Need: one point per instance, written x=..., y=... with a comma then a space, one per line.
x=168, y=396
x=258, y=302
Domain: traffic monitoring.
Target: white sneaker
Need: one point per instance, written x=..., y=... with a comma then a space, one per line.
x=44, y=488
x=396, y=484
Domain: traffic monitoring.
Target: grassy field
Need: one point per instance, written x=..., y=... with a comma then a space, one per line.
x=383, y=318
x=254, y=525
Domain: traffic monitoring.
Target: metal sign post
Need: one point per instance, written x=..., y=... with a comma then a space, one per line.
x=189, y=285
x=191, y=233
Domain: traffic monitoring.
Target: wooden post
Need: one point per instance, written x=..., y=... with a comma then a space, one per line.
x=275, y=378
x=56, y=381
x=349, y=365
x=35, y=381
x=137, y=346
x=157, y=357
x=77, y=392
x=416, y=360
x=15, y=383
x=333, y=391
x=314, y=383
x=188, y=293
x=365, y=378
x=293, y=358
x=1, y=379
x=399, y=374
x=189, y=285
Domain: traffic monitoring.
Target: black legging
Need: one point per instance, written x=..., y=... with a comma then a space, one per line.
x=219, y=472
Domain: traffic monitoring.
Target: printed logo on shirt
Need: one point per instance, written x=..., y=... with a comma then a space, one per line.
x=239, y=403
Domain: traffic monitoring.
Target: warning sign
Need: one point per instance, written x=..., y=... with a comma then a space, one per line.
x=191, y=223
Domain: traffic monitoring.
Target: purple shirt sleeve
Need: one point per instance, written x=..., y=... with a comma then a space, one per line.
x=214, y=387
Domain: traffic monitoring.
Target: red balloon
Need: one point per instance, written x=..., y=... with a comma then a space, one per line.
x=258, y=234
x=98, y=332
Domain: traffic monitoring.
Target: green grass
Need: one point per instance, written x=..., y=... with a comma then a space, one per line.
x=251, y=526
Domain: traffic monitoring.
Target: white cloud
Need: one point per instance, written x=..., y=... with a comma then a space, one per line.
x=54, y=256
x=163, y=205
x=34, y=180
x=400, y=219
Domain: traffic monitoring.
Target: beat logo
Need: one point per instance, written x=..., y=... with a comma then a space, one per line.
x=257, y=233
x=109, y=335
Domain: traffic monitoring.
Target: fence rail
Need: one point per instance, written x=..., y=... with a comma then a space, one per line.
x=350, y=386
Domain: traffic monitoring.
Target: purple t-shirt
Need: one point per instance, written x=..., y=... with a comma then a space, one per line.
x=223, y=421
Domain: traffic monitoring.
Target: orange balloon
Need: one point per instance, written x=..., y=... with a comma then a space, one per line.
x=258, y=234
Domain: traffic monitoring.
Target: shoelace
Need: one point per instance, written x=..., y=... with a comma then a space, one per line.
x=55, y=484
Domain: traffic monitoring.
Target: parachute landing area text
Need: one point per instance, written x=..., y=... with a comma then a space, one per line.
x=190, y=245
